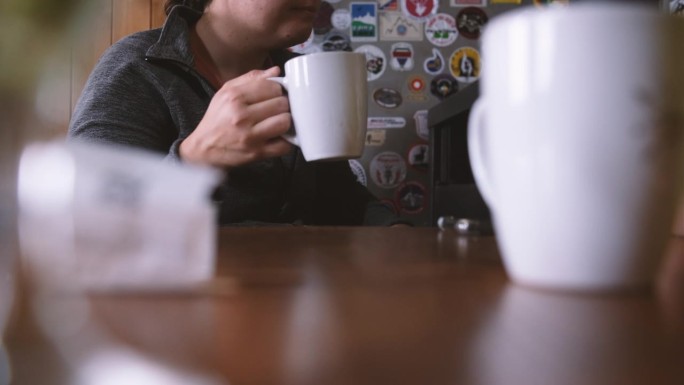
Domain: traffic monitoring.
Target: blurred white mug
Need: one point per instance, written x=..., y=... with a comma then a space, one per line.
x=328, y=96
x=576, y=142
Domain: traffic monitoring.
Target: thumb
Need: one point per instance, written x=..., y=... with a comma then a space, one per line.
x=273, y=71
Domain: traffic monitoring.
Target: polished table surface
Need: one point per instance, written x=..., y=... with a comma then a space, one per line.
x=311, y=305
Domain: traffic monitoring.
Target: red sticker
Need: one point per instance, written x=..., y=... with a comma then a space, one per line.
x=411, y=197
x=419, y=9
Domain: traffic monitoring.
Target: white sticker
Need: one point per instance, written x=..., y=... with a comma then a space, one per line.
x=396, y=26
x=359, y=172
x=467, y=3
x=441, y=29
x=376, y=61
x=383, y=122
x=376, y=138
x=421, y=120
x=341, y=19
x=402, y=56
x=388, y=169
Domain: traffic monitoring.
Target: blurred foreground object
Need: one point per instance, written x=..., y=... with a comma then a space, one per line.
x=678, y=226
x=29, y=30
x=582, y=182
x=98, y=217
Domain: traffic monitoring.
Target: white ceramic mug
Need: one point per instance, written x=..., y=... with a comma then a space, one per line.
x=575, y=142
x=328, y=94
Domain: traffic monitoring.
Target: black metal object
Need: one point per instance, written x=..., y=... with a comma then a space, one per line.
x=454, y=192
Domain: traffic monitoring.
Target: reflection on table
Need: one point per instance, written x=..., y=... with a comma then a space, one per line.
x=310, y=305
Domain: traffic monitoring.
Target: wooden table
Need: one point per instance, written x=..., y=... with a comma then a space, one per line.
x=308, y=305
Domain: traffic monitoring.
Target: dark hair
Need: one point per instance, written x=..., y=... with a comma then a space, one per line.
x=195, y=4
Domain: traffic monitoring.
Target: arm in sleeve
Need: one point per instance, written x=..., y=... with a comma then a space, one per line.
x=122, y=103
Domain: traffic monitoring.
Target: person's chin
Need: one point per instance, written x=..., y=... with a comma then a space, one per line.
x=296, y=37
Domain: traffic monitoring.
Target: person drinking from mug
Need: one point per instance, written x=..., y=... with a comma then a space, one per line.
x=197, y=91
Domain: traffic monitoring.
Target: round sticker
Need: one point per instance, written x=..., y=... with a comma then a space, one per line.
x=321, y=23
x=388, y=169
x=443, y=86
x=416, y=83
x=341, y=19
x=470, y=22
x=402, y=56
x=419, y=9
x=359, y=172
x=411, y=197
x=387, y=97
x=435, y=63
x=441, y=29
x=376, y=62
x=336, y=41
x=418, y=156
x=416, y=88
x=465, y=64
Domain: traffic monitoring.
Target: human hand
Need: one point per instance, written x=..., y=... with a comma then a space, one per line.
x=243, y=123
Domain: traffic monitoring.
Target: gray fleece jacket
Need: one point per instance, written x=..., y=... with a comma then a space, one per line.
x=144, y=92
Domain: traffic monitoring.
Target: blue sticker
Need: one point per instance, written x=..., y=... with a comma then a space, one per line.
x=435, y=63
x=364, y=18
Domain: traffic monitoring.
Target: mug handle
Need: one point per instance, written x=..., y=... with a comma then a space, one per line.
x=476, y=129
x=292, y=138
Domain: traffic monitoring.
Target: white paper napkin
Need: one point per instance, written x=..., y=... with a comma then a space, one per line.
x=100, y=217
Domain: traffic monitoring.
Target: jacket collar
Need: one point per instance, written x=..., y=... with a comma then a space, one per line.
x=174, y=40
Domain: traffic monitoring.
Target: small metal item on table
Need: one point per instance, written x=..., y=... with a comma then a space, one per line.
x=465, y=226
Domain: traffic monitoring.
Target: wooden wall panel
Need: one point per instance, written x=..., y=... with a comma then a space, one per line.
x=94, y=39
x=108, y=22
x=130, y=16
x=53, y=108
x=158, y=16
